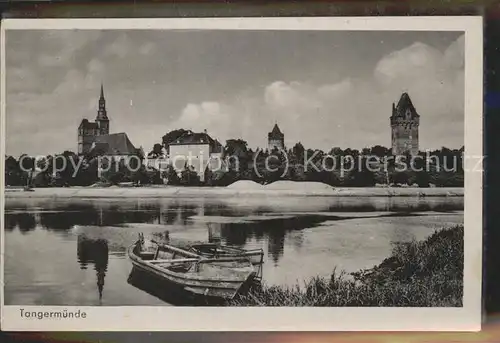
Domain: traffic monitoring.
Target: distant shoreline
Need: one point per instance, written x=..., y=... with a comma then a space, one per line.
x=176, y=191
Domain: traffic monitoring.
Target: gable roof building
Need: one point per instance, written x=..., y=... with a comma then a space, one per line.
x=115, y=144
x=196, y=150
x=198, y=138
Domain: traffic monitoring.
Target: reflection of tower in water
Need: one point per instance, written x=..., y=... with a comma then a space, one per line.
x=276, y=243
x=214, y=233
x=25, y=221
x=94, y=251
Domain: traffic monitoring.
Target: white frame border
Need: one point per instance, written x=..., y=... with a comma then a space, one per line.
x=159, y=318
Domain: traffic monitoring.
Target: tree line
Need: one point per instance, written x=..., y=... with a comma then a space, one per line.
x=337, y=167
x=69, y=169
x=340, y=167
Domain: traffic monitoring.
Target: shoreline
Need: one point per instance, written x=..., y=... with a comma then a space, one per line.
x=427, y=273
x=176, y=191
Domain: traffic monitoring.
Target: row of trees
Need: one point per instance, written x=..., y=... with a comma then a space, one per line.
x=338, y=167
x=69, y=169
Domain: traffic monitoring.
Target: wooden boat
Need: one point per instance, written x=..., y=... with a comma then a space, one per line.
x=213, y=250
x=219, y=278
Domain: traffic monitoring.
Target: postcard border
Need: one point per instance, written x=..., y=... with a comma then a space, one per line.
x=140, y=318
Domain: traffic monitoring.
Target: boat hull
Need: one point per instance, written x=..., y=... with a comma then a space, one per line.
x=206, y=277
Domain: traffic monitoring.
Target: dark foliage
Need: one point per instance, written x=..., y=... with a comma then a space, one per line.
x=341, y=168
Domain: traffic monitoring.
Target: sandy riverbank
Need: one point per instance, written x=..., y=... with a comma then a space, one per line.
x=241, y=189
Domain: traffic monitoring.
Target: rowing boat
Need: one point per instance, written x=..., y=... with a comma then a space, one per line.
x=219, y=278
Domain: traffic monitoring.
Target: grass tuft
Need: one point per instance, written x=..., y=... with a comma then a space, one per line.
x=417, y=274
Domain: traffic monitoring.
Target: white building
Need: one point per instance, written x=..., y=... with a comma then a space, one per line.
x=194, y=150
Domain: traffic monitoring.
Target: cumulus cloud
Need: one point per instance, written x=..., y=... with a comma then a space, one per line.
x=95, y=66
x=411, y=61
x=171, y=88
x=120, y=47
x=352, y=112
x=212, y=116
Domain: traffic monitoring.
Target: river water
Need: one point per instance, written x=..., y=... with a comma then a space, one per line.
x=73, y=251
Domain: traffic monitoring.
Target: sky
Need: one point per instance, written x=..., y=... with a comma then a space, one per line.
x=324, y=88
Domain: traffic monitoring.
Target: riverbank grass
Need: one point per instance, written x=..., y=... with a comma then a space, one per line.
x=417, y=274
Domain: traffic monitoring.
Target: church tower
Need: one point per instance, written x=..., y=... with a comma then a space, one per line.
x=88, y=131
x=404, y=127
x=102, y=120
x=276, y=139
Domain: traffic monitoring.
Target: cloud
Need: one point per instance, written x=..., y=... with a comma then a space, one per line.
x=60, y=47
x=336, y=90
x=120, y=47
x=147, y=48
x=123, y=46
x=21, y=79
x=454, y=56
x=152, y=88
x=411, y=61
x=351, y=112
x=209, y=115
x=95, y=66
x=435, y=82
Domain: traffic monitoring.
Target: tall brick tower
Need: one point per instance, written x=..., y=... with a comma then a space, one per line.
x=404, y=127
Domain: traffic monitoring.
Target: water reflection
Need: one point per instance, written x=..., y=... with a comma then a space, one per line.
x=259, y=221
x=94, y=251
x=166, y=291
x=214, y=233
x=276, y=243
x=348, y=233
x=273, y=229
x=25, y=222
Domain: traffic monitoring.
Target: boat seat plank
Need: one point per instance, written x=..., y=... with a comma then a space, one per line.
x=179, y=260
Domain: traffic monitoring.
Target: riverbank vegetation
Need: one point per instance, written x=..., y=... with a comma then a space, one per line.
x=417, y=274
x=337, y=167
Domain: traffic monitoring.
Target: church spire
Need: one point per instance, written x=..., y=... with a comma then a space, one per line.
x=102, y=114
